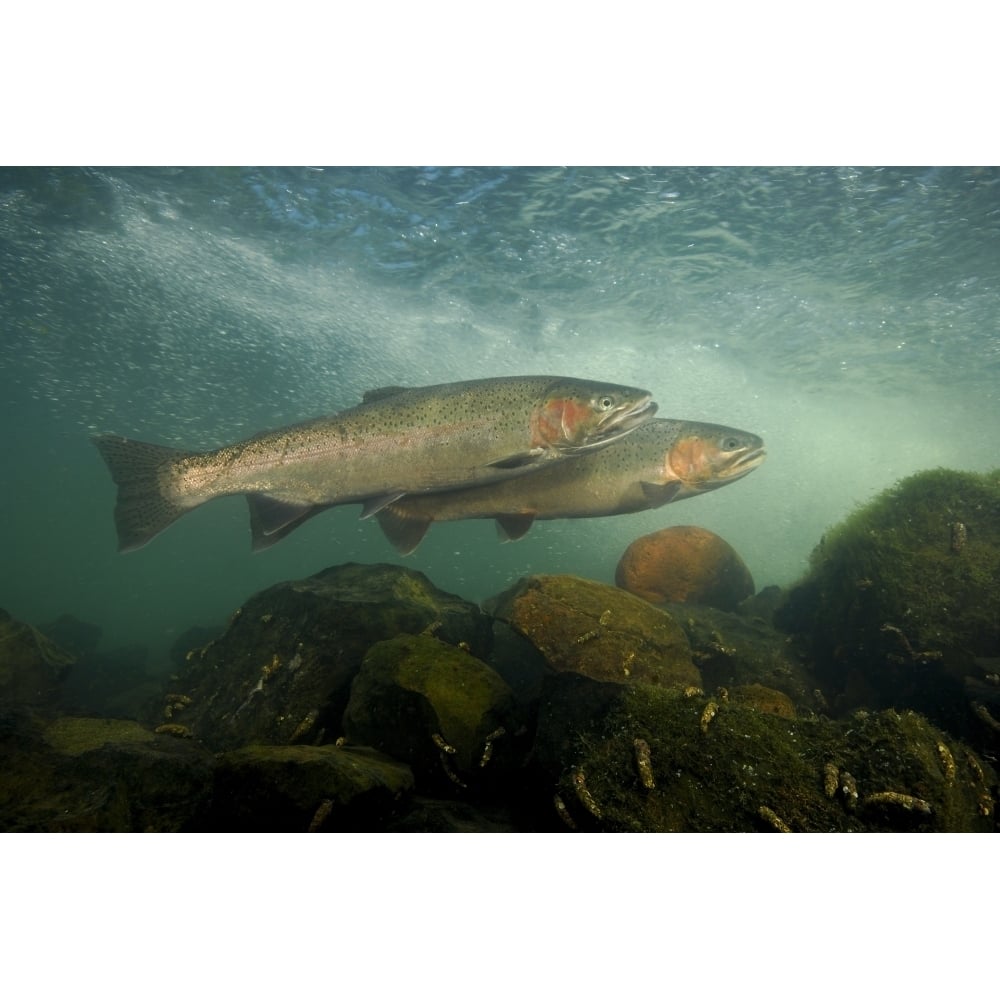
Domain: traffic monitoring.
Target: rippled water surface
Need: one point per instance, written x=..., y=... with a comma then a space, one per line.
x=849, y=316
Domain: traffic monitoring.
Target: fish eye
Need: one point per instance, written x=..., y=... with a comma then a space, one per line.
x=730, y=444
x=606, y=402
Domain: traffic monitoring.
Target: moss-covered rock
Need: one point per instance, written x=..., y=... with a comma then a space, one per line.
x=31, y=664
x=301, y=788
x=99, y=775
x=596, y=630
x=733, y=650
x=723, y=766
x=282, y=671
x=432, y=705
x=900, y=603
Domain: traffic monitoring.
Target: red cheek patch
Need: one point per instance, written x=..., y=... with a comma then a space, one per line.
x=557, y=421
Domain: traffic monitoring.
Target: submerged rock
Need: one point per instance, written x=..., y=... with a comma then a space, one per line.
x=77, y=637
x=659, y=761
x=31, y=664
x=685, y=564
x=99, y=775
x=304, y=788
x=732, y=650
x=597, y=630
x=282, y=671
x=900, y=604
x=432, y=705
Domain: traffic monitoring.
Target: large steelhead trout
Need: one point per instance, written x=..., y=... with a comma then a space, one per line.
x=397, y=442
x=661, y=462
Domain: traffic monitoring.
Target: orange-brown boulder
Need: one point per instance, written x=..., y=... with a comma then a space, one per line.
x=685, y=564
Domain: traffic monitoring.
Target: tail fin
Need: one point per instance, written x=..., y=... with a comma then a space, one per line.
x=142, y=510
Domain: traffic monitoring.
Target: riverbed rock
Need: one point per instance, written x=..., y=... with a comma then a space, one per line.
x=282, y=671
x=899, y=607
x=431, y=705
x=307, y=788
x=77, y=774
x=597, y=630
x=657, y=760
x=31, y=664
x=686, y=564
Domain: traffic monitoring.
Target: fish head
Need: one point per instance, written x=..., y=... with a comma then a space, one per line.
x=707, y=456
x=576, y=416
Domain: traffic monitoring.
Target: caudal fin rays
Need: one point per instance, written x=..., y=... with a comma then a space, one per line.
x=138, y=468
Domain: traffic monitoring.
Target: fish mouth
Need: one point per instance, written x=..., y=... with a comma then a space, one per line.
x=614, y=425
x=620, y=422
x=743, y=466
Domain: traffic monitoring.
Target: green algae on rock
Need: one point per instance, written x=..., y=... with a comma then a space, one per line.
x=300, y=788
x=73, y=736
x=733, y=650
x=727, y=767
x=430, y=704
x=291, y=652
x=597, y=630
x=901, y=598
x=99, y=775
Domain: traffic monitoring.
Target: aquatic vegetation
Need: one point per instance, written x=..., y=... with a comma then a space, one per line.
x=711, y=765
x=899, y=603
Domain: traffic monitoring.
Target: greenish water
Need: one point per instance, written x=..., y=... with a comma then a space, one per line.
x=849, y=316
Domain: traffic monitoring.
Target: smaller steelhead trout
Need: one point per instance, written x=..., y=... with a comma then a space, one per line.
x=661, y=462
x=398, y=442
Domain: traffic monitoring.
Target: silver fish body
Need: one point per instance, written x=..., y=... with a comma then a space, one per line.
x=399, y=441
x=660, y=462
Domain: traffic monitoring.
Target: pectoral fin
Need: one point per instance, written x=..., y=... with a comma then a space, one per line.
x=657, y=494
x=521, y=460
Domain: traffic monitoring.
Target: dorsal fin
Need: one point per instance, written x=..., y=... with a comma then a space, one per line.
x=384, y=392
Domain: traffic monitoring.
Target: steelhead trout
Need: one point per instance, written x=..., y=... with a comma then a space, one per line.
x=398, y=441
x=660, y=462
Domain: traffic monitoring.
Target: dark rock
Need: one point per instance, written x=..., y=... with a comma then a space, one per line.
x=78, y=638
x=597, y=630
x=432, y=705
x=282, y=671
x=732, y=650
x=111, y=683
x=31, y=664
x=901, y=599
x=99, y=775
x=723, y=766
x=302, y=788
x=448, y=816
x=191, y=641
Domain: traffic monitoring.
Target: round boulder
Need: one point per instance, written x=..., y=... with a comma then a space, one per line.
x=687, y=565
